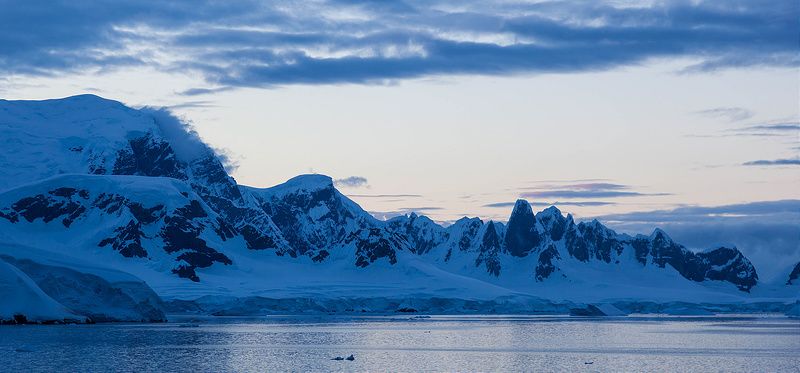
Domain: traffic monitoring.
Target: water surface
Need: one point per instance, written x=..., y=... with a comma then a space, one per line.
x=398, y=343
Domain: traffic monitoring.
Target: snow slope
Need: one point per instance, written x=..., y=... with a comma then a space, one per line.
x=22, y=297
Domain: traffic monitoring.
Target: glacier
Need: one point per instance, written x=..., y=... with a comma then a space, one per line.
x=130, y=201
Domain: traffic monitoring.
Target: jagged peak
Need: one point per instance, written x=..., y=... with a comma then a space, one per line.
x=466, y=219
x=550, y=211
x=522, y=207
x=658, y=232
x=490, y=229
x=733, y=249
x=413, y=219
x=522, y=213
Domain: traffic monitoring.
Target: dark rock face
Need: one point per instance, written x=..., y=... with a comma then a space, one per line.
x=470, y=231
x=727, y=264
x=489, y=250
x=462, y=236
x=794, y=275
x=722, y=264
x=576, y=245
x=307, y=234
x=147, y=156
x=521, y=233
x=420, y=231
x=375, y=243
x=553, y=222
x=55, y=204
x=587, y=241
x=546, y=265
x=150, y=156
x=182, y=234
x=128, y=240
x=599, y=241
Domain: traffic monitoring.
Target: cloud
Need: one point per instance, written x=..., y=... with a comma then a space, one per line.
x=414, y=209
x=731, y=114
x=776, y=127
x=767, y=129
x=584, y=190
x=773, y=162
x=385, y=195
x=568, y=203
x=185, y=141
x=351, y=182
x=268, y=44
x=192, y=104
x=203, y=91
x=767, y=232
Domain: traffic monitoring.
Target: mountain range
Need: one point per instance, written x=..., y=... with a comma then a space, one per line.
x=131, y=201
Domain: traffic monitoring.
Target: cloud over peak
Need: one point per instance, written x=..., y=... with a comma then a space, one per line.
x=351, y=182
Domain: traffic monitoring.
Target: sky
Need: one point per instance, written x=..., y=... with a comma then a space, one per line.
x=679, y=114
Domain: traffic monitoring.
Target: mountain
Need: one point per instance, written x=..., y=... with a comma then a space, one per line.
x=550, y=250
x=136, y=192
x=794, y=275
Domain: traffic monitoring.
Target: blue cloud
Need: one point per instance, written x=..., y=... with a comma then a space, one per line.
x=264, y=44
x=568, y=203
x=351, y=182
x=731, y=114
x=584, y=190
x=773, y=162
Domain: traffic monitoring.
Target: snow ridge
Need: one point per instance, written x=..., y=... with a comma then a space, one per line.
x=137, y=191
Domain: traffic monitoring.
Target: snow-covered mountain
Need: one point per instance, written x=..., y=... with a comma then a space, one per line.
x=794, y=275
x=133, y=191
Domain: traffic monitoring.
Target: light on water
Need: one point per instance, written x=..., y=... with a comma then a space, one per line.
x=398, y=343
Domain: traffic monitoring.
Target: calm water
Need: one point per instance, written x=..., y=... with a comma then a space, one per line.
x=440, y=343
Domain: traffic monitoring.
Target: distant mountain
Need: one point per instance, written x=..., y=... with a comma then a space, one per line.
x=132, y=190
x=794, y=275
x=557, y=246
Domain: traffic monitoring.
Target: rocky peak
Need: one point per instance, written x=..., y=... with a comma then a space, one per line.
x=794, y=275
x=489, y=250
x=521, y=233
x=553, y=222
x=422, y=233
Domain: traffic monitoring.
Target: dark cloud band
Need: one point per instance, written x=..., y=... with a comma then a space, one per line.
x=265, y=44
